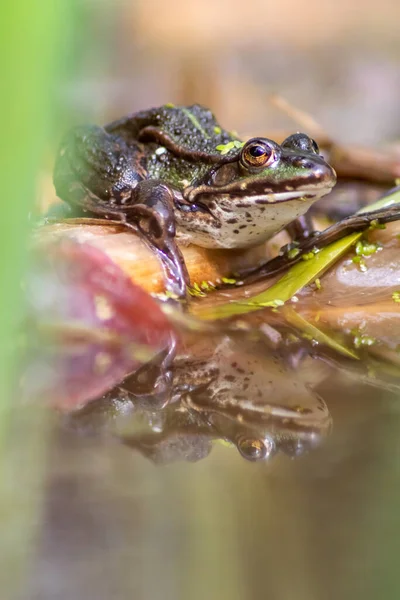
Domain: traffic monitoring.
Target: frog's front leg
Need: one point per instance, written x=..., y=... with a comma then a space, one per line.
x=101, y=175
x=152, y=212
x=152, y=384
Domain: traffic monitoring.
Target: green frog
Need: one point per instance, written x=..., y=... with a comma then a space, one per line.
x=174, y=173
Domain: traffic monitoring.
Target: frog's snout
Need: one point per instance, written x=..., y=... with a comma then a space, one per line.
x=323, y=174
x=312, y=169
x=328, y=175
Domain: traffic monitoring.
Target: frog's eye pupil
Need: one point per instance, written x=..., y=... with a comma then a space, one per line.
x=251, y=449
x=255, y=449
x=257, y=154
x=257, y=151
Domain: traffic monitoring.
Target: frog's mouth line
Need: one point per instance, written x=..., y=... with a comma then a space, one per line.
x=251, y=415
x=275, y=197
x=207, y=202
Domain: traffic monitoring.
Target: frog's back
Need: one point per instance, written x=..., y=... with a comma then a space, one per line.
x=192, y=127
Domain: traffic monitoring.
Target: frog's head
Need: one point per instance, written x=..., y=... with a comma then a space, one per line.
x=262, y=187
x=265, y=170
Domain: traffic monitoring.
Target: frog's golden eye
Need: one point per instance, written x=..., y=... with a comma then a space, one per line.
x=254, y=449
x=258, y=153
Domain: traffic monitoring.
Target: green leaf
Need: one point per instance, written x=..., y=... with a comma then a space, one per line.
x=225, y=148
x=396, y=297
x=385, y=202
x=314, y=333
x=297, y=277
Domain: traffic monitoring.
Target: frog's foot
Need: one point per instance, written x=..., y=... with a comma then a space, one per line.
x=318, y=240
x=150, y=212
x=150, y=225
x=153, y=216
x=152, y=384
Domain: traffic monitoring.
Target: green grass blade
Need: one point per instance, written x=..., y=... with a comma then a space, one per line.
x=297, y=277
x=31, y=44
x=314, y=333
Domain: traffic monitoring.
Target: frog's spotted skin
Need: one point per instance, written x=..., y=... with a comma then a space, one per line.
x=232, y=388
x=238, y=225
x=230, y=220
x=175, y=170
x=190, y=127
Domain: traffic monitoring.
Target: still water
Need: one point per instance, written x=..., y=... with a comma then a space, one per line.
x=177, y=513
x=253, y=462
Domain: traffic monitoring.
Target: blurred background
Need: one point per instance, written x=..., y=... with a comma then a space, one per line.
x=106, y=522
x=337, y=60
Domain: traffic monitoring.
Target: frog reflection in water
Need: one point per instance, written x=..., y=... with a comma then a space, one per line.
x=237, y=391
x=173, y=171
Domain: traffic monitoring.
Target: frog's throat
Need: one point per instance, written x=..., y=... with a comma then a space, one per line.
x=237, y=222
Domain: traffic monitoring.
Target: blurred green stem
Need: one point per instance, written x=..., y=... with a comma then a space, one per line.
x=31, y=49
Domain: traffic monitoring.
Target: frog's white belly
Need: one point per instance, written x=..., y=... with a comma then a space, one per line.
x=242, y=222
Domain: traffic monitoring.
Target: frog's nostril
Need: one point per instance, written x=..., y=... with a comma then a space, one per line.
x=303, y=163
